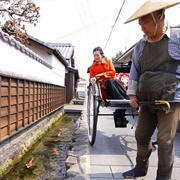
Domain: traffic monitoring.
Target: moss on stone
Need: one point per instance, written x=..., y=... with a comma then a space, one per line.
x=6, y=166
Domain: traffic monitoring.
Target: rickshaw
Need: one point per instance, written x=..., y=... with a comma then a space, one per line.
x=98, y=97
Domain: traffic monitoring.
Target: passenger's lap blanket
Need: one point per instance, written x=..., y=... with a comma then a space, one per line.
x=123, y=78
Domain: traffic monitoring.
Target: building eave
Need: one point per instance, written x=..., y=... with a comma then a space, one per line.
x=47, y=48
x=75, y=71
x=126, y=53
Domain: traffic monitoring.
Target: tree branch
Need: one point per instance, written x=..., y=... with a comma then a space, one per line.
x=16, y=12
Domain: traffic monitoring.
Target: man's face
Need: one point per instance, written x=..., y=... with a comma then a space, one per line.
x=147, y=25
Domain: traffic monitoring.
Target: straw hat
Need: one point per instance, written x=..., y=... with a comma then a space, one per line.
x=152, y=6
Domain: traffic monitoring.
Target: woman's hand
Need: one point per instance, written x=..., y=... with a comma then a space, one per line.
x=101, y=74
x=93, y=79
x=134, y=101
x=98, y=76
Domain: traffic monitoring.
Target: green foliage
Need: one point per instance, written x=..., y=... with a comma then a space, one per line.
x=118, y=54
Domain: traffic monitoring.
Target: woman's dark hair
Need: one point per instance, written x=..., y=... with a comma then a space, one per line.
x=100, y=50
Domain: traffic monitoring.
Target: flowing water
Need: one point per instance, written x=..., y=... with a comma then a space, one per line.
x=46, y=159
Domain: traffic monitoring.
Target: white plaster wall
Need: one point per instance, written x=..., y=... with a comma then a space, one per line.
x=14, y=62
x=58, y=68
x=51, y=59
x=47, y=57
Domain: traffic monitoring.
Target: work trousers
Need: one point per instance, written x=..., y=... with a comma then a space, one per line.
x=116, y=89
x=148, y=120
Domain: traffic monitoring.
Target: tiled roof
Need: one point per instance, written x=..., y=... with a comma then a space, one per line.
x=12, y=41
x=66, y=49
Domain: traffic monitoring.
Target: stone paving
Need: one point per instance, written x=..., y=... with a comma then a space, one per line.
x=113, y=153
x=78, y=158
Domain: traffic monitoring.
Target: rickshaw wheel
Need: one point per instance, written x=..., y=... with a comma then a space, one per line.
x=92, y=113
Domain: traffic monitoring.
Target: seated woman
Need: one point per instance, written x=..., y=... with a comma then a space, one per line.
x=103, y=69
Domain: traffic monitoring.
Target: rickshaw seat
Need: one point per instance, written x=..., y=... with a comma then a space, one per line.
x=123, y=78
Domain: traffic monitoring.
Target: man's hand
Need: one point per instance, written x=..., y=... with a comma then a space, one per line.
x=133, y=101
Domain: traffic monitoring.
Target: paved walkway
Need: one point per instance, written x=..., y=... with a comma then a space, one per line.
x=114, y=150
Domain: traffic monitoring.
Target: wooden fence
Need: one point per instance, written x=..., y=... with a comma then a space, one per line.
x=22, y=102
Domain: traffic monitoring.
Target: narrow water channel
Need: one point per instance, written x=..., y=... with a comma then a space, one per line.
x=46, y=159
